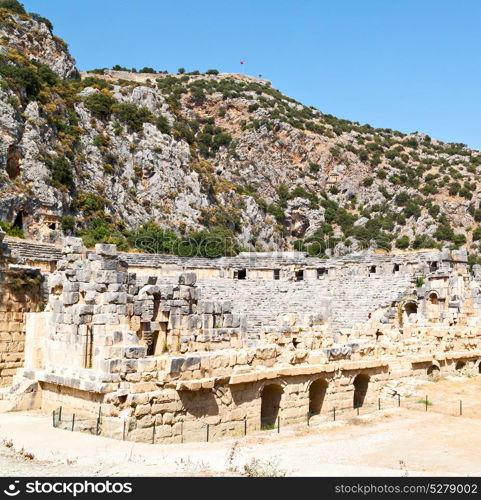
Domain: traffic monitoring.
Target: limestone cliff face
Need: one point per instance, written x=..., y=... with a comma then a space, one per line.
x=202, y=151
x=33, y=38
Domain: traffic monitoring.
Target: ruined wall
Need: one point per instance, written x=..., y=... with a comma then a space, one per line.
x=20, y=292
x=167, y=355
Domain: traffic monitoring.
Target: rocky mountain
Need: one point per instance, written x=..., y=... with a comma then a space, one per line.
x=174, y=158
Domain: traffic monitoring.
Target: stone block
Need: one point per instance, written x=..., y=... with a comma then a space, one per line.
x=70, y=298
x=188, y=278
x=106, y=250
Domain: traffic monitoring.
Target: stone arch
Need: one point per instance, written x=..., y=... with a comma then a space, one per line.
x=460, y=365
x=411, y=308
x=410, y=311
x=432, y=305
x=361, y=384
x=433, y=371
x=433, y=297
x=271, y=397
x=317, y=394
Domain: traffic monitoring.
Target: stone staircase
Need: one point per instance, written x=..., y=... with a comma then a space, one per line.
x=33, y=251
x=353, y=300
x=265, y=302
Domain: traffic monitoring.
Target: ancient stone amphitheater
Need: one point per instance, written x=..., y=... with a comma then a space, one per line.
x=172, y=343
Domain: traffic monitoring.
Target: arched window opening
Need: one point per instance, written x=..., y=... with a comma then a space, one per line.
x=317, y=393
x=361, y=383
x=270, y=405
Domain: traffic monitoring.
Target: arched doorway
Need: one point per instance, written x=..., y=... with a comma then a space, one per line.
x=433, y=371
x=410, y=312
x=317, y=393
x=411, y=308
x=361, y=383
x=433, y=306
x=460, y=365
x=271, y=403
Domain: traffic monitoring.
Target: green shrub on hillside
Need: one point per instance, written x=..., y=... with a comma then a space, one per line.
x=133, y=116
x=162, y=124
x=403, y=242
x=100, y=105
x=444, y=232
x=100, y=231
x=68, y=223
x=214, y=242
x=30, y=78
x=12, y=6
x=477, y=234
x=424, y=241
x=61, y=172
x=90, y=204
x=11, y=230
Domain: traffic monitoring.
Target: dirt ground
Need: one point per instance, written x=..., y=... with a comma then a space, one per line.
x=400, y=441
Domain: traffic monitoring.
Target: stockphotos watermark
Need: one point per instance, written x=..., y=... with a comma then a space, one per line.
x=67, y=487
x=217, y=246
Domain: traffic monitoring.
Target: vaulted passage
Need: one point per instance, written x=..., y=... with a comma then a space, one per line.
x=411, y=308
x=271, y=403
x=317, y=393
x=433, y=371
x=361, y=383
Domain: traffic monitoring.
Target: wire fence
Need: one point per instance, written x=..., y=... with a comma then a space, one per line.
x=199, y=430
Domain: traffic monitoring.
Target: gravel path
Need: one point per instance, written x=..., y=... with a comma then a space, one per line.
x=395, y=442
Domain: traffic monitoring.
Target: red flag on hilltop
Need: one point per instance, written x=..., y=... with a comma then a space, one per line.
x=242, y=62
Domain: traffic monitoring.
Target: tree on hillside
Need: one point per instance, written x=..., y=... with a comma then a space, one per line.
x=12, y=5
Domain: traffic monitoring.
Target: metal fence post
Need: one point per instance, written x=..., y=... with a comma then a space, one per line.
x=334, y=414
x=245, y=426
x=73, y=421
x=460, y=407
x=357, y=411
x=399, y=400
x=426, y=402
x=278, y=425
x=123, y=432
x=153, y=434
x=182, y=431
x=379, y=403
x=98, y=426
x=60, y=414
x=53, y=417
x=207, y=435
x=308, y=415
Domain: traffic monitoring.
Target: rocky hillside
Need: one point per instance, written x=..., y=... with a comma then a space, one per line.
x=105, y=153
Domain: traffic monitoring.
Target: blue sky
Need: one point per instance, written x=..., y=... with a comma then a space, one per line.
x=408, y=65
